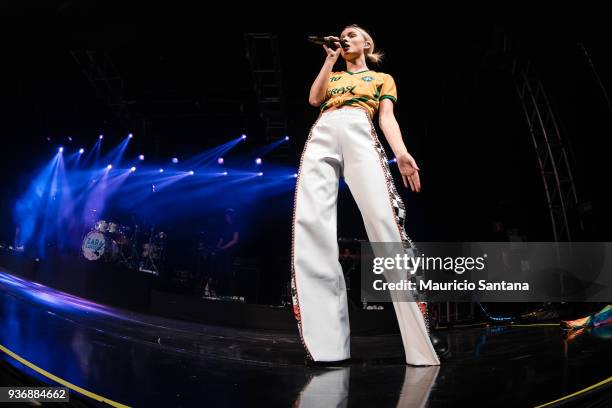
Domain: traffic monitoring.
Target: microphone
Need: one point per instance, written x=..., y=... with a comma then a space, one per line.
x=327, y=41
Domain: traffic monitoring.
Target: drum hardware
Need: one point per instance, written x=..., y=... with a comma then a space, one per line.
x=152, y=253
x=101, y=226
x=110, y=241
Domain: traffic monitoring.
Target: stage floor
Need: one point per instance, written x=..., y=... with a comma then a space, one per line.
x=145, y=361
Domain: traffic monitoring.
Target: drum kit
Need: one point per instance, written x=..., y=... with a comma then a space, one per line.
x=111, y=242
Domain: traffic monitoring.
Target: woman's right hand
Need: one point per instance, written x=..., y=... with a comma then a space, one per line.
x=333, y=54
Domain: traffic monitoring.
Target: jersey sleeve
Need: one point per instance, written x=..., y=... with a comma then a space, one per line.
x=388, y=90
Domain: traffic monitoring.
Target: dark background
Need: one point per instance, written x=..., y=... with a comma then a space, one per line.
x=188, y=86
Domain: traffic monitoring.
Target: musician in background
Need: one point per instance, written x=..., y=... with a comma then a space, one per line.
x=226, y=251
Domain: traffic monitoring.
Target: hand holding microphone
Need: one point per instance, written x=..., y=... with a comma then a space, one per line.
x=330, y=41
x=331, y=45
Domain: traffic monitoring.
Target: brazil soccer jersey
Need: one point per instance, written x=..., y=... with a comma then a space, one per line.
x=364, y=89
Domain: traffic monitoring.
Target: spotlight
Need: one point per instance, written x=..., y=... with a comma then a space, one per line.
x=295, y=175
x=61, y=149
x=110, y=166
x=224, y=173
x=133, y=169
x=130, y=135
x=286, y=137
x=191, y=173
x=260, y=174
x=141, y=157
x=161, y=170
x=220, y=160
x=175, y=160
x=243, y=136
x=69, y=138
x=101, y=137
x=81, y=151
x=258, y=160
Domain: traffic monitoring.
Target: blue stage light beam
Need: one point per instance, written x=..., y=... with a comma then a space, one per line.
x=94, y=152
x=262, y=151
x=213, y=154
x=29, y=207
x=115, y=155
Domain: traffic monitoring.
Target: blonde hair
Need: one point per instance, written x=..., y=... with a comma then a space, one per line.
x=370, y=53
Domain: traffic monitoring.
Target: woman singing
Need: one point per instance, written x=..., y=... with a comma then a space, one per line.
x=343, y=142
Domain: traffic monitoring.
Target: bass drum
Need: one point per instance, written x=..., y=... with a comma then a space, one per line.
x=97, y=246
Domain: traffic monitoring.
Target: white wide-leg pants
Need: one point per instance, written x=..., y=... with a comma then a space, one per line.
x=343, y=142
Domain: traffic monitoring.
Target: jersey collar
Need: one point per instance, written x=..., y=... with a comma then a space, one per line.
x=358, y=72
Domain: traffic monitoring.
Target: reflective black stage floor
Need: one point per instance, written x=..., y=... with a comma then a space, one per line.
x=145, y=361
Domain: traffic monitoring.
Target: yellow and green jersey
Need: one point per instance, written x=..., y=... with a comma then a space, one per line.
x=364, y=89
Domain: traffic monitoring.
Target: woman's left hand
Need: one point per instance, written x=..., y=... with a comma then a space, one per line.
x=409, y=171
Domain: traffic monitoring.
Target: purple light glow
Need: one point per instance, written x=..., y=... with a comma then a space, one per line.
x=47, y=296
x=220, y=160
x=258, y=160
